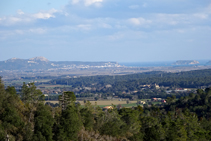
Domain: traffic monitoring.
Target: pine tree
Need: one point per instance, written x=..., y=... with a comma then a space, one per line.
x=66, y=99
x=11, y=123
x=43, y=123
x=70, y=124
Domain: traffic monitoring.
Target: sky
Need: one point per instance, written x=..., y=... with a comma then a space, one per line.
x=106, y=30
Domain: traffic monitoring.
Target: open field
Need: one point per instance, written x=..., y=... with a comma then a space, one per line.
x=106, y=103
x=53, y=86
x=130, y=105
x=20, y=81
x=114, y=102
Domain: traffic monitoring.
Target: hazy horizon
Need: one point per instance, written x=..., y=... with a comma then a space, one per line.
x=105, y=30
x=201, y=61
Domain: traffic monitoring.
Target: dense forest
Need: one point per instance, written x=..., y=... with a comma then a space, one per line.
x=189, y=79
x=128, y=86
x=24, y=117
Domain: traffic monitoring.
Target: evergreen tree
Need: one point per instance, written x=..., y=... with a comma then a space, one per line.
x=131, y=118
x=70, y=124
x=87, y=118
x=43, y=122
x=11, y=123
x=66, y=99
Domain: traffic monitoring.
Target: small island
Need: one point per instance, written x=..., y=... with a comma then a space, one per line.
x=208, y=63
x=186, y=62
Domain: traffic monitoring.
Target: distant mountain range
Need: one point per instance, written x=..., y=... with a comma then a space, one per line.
x=43, y=63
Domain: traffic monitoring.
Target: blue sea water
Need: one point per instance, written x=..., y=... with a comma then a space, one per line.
x=159, y=64
x=146, y=64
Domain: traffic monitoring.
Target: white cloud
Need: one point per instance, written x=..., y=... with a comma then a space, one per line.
x=20, y=12
x=201, y=15
x=7, y=21
x=104, y=25
x=171, y=19
x=181, y=31
x=164, y=19
x=27, y=31
x=5, y=34
x=120, y=26
x=90, y=2
x=128, y=34
x=97, y=3
x=73, y=21
x=37, y=30
x=138, y=6
x=14, y=19
x=75, y=1
x=19, y=31
x=208, y=9
x=45, y=15
x=139, y=21
x=26, y=18
x=134, y=6
x=144, y=5
x=84, y=26
x=134, y=21
x=116, y=36
x=204, y=14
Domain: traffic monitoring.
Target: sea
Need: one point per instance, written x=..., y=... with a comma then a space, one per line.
x=160, y=64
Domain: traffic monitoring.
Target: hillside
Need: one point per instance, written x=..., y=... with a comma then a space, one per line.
x=39, y=63
x=25, y=117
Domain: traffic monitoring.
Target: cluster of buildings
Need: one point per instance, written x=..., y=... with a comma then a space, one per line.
x=83, y=66
x=158, y=100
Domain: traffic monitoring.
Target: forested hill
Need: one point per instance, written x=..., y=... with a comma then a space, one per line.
x=188, y=79
x=199, y=103
x=24, y=117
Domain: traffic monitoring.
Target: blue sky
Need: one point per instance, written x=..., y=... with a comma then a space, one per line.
x=106, y=30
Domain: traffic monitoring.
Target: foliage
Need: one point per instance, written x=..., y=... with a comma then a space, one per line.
x=27, y=118
x=43, y=121
x=70, y=123
x=66, y=99
x=190, y=79
x=133, y=84
x=87, y=118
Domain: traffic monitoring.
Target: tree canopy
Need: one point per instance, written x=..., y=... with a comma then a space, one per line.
x=25, y=117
